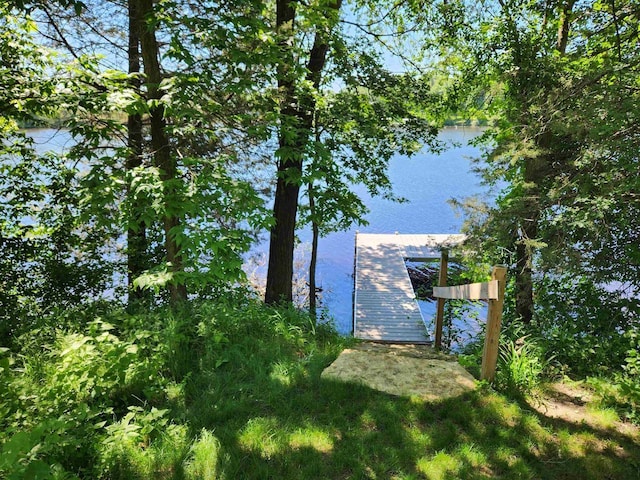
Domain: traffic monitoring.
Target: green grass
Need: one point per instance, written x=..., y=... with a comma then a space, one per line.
x=233, y=390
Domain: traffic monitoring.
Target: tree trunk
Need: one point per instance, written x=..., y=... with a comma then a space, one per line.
x=524, y=270
x=285, y=208
x=535, y=171
x=564, y=26
x=314, y=253
x=282, y=238
x=296, y=120
x=136, y=238
x=161, y=148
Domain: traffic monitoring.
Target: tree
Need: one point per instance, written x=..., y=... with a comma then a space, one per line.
x=163, y=157
x=567, y=72
x=375, y=115
x=200, y=110
x=296, y=107
x=137, y=244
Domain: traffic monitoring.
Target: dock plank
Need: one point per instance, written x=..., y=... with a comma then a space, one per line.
x=385, y=308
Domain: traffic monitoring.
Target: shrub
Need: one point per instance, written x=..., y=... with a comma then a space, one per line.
x=520, y=366
x=143, y=445
x=629, y=382
x=203, y=461
x=61, y=398
x=586, y=326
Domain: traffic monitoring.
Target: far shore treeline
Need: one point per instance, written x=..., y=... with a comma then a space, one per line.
x=451, y=121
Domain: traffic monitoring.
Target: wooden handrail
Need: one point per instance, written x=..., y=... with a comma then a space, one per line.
x=470, y=291
x=493, y=291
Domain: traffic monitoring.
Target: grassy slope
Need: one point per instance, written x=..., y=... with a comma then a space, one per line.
x=244, y=399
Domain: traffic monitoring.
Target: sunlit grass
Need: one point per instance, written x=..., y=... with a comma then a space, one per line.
x=603, y=416
x=439, y=466
x=311, y=437
x=204, y=458
x=263, y=436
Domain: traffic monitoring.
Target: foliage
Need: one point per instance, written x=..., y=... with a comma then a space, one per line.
x=47, y=259
x=524, y=360
x=343, y=115
x=521, y=366
x=102, y=394
x=564, y=82
x=621, y=390
x=375, y=116
x=630, y=382
x=586, y=327
x=232, y=389
x=65, y=393
x=66, y=211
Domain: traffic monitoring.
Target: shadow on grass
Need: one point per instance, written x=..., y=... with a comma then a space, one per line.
x=280, y=420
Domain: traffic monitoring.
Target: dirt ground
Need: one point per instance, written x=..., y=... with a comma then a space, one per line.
x=405, y=370
x=570, y=402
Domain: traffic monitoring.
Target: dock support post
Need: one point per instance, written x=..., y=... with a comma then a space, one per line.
x=442, y=282
x=494, y=320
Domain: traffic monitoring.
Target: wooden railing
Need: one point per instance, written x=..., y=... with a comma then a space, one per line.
x=493, y=291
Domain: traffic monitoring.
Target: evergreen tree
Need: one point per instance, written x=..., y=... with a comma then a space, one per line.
x=568, y=75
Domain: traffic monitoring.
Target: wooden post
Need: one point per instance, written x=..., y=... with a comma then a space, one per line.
x=442, y=282
x=494, y=319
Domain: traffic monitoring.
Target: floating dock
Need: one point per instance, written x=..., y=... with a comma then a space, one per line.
x=384, y=305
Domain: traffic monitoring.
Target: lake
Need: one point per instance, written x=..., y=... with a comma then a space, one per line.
x=426, y=180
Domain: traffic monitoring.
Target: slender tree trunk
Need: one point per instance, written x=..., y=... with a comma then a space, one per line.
x=564, y=26
x=524, y=259
x=136, y=238
x=296, y=114
x=161, y=148
x=314, y=253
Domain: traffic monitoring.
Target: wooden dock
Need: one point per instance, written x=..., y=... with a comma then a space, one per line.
x=384, y=305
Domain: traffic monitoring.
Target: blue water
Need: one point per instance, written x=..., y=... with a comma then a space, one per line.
x=49, y=139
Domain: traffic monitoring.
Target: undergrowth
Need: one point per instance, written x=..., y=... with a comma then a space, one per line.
x=232, y=389
x=111, y=397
